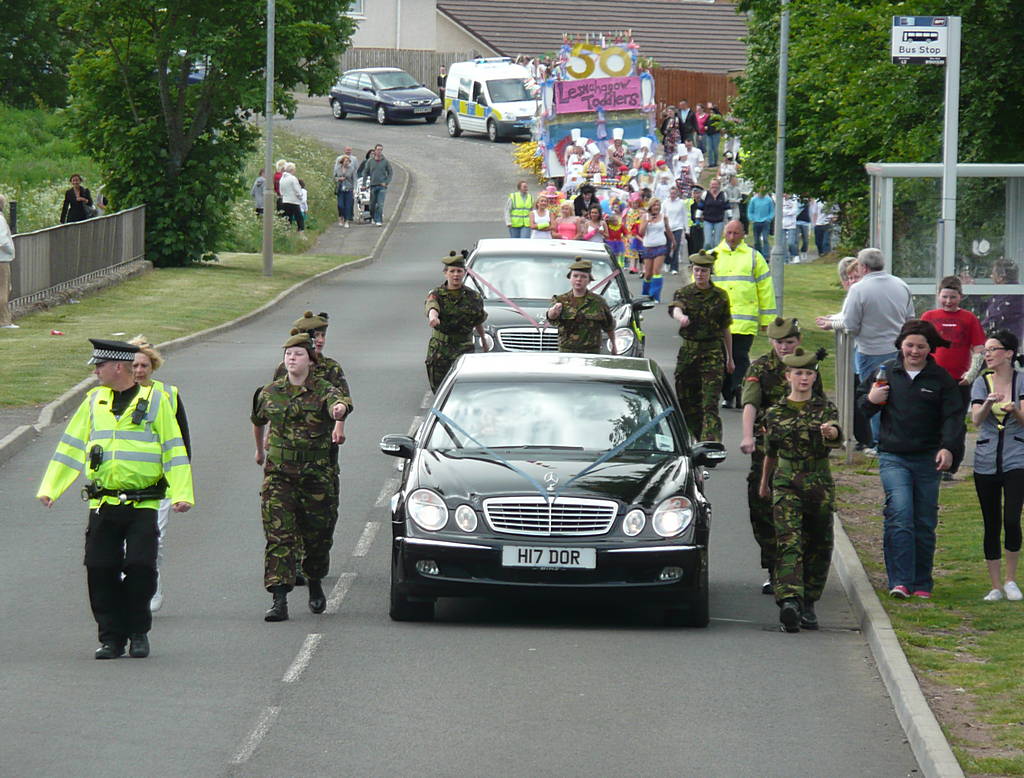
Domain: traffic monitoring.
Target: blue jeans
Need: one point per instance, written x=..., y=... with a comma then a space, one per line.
x=791, y=246
x=823, y=238
x=519, y=232
x=865, y=365
x=673, y=256
x=803, y=228
x=761, y=230
x=712, y=152
x=377, y=195
x=911, y=485
x=712, y=234
x=345, y=205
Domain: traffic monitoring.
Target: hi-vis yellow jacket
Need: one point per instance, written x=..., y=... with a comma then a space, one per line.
x=745, y=276
x=135, y=456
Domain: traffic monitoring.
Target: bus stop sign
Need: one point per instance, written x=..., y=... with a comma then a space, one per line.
x=919, y=40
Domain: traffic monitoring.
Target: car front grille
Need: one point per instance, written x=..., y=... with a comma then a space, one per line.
x=566, y=517
x=420, y=102
x=528, y=339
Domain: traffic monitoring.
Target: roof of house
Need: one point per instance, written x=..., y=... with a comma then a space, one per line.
x=705, y=37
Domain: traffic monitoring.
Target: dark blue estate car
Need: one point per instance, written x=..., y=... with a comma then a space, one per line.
x=386, y=94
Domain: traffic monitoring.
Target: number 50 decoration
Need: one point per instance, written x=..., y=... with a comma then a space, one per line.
x=590, y=61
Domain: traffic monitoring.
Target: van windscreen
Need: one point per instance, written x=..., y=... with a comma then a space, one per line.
x=507, y=90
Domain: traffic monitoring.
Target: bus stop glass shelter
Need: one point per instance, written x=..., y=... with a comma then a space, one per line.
x=906, y=226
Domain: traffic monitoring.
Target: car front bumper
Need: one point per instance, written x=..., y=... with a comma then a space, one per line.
x=623, y=571
x=410, y=112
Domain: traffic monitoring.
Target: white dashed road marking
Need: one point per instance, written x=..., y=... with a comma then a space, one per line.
x=302, y=658
x=266, y=721
x=366, y=539
x=386, y=491
x=339, y=591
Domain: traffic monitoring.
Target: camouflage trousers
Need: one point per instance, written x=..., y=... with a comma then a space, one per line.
x=441, y=355
x=803, y=538
x=761, y=521
x=299, y=514
x=700, y=366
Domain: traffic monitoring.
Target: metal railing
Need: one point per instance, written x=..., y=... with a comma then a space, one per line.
x=55, y=258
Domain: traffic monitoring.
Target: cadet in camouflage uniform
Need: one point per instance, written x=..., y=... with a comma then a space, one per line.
x=332, y=372
x=702, y=310
x=764, y=386
x=798, y=433
x=581, y=315
x=453, y=311
x=297, y=496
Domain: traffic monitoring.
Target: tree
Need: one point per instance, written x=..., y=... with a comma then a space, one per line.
x=163, y=94
x=847, y=104
x=34, y=54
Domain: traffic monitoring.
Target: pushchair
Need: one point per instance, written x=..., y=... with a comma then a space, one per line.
x=361, y=202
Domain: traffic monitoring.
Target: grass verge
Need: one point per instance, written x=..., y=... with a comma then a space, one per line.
x=164, y=304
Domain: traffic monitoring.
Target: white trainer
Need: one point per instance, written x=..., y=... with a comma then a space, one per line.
x=158, y=597
x=993, y=596
x=1012, y=591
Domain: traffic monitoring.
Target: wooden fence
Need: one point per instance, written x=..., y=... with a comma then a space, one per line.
x=671, y=86
x=421, y=65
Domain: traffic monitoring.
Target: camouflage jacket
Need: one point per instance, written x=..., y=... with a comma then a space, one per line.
x=708, y=310
x=581, y=322
x=765, y=385
x=792, y=433
x=300, y=421
x=461, y=311
x=329, y=370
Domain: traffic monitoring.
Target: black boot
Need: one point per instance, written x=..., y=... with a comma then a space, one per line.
x=279, y=610
x=317, y=599
x=808, y=618
x=789, y=614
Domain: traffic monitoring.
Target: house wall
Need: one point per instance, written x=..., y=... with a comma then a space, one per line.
x=451, y=37
x=378, y=28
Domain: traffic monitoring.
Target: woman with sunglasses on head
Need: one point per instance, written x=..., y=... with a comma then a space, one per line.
x=997, y=409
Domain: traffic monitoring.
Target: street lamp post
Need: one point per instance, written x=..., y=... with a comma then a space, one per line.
x=269, y=196
x=779, y=250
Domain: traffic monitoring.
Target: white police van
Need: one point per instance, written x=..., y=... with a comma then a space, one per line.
x=488, y=95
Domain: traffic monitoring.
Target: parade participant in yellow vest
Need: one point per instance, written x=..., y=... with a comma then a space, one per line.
x=517, y=211
x=742, y=272
x=126, y=439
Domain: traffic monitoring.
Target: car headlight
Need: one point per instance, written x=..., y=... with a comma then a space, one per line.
x=436, y=101
x=427, y=509
x=624, y=339
x=672, y=516
x=486, y=343
x=401, y=102
x=634, y=522
x=465, y=517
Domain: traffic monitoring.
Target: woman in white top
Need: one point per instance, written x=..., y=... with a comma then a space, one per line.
x=658, y=240
x=540, y=219
x=594, y=228
x=291, y=197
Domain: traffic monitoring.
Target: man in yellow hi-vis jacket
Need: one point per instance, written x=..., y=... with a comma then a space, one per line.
x=126, y=438
x=742, y=272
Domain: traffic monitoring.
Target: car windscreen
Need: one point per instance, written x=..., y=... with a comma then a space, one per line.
x=396, y=80
x=590, y=416
x=507, y=90
x=538, y=277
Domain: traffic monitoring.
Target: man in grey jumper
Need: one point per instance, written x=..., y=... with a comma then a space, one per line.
x=378, y=170
x=874, y=312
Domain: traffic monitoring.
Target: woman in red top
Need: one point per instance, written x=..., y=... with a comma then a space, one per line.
x=964, y=333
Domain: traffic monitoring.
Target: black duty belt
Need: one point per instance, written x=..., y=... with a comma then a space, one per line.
x=279, y=454
x=93, y=491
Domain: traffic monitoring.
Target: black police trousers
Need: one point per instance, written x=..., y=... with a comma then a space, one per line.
x=121, y=539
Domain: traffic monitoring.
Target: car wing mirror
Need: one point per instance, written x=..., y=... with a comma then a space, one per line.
x=708, y=453
x=643, y=302
x=398, y=446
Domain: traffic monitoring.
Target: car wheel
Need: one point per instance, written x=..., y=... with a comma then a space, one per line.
x=430, y=119
x=696, y=613
x=404, y=609
x=382, y=115
x=492, y=131
x=453, y=126
x=337, y=110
